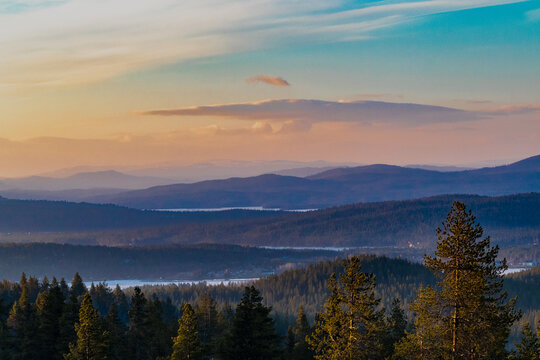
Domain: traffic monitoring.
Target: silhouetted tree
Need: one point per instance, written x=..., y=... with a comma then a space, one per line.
x=252, y=336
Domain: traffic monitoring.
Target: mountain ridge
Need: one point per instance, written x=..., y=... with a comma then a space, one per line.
x=378, y=182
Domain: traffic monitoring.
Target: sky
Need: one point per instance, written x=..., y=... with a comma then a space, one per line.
x=164, y=82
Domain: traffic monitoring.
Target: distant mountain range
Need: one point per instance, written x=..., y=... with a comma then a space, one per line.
x=81, y=183
x=108, y=179
x=334, y=187
x=304, y=187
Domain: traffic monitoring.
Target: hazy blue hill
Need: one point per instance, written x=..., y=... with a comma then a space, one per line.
x=106, y=179
x=176, y=262
x=510, y=220
x=43, y=216
x=335, y=187
x=269, y=190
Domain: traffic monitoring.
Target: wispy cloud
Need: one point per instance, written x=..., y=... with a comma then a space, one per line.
x=300, y=113
x=270, y=80
x=514, y=110
x=77, y=41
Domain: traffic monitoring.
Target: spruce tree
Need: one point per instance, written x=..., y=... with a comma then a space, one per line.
x=301, y=331
x=208, y=325
x=5, y=346
x=160, y=343
x=116, y=332
x=50, y=306
x=138, y=331
x=252, y=336
x=70, y=315
x=529, y=346
x=468, y=315
x=92, y=338
x=187, y=345
x=352, y=324
x=396, y=325
x=121, y=302
x=290, y=341
x=78, y=289
x=23, y=322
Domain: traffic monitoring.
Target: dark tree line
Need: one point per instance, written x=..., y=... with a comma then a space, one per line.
x=466, y=314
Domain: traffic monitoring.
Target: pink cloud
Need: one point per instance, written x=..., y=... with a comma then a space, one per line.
x=315, y=111
x=270, y=80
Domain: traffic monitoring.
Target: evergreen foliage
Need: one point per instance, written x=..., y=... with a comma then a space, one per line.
x=50, y=308
x=396, y=325
x=352, y=323
x=301, y=332
x=24, y=326
x=92, y=338
x=138, y=335
x=468, y=315
x=467, y=318
x=116, y=332
x=529, y=346
x=187, y=344
x=252, y=336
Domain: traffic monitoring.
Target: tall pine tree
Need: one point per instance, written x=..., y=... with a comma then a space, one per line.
x=187, y=345
x=396, y=325
x=50, y=306
x=139, y=329
x=529, y=346
x=301, y=331
x=23, y=323
x=253, y=336
x=468, y=315
x=352, y=324
x=92, y=338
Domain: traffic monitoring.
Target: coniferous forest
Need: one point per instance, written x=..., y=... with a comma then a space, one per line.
x=458, y=306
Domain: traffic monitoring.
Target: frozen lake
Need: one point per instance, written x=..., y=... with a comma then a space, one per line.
x=131, y=283
x=514, y=270
x=250, y=208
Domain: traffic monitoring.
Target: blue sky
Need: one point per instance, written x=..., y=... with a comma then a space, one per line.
x=80, y=69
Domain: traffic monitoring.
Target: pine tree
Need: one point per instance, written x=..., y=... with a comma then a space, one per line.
x=138, y=332
x=301, y=331
x=351, y=325
x=77, y=287
x=121, y=302
x=50, y=305
x=23, y=322
x=208, y=324
x=289, y=343
x=5, y=346
x=70, y=315
x=396, y=325
x=252, y=336
x=529, y=346
x=116, y=335
x=92, y=338
x=187, y=345
x=468, y=315
x=160, y=343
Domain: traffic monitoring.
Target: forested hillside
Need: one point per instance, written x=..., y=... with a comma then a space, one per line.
x=61, y=216
x=146, y=320
x=174, y=262
x=510, y=220
x=307, y=287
